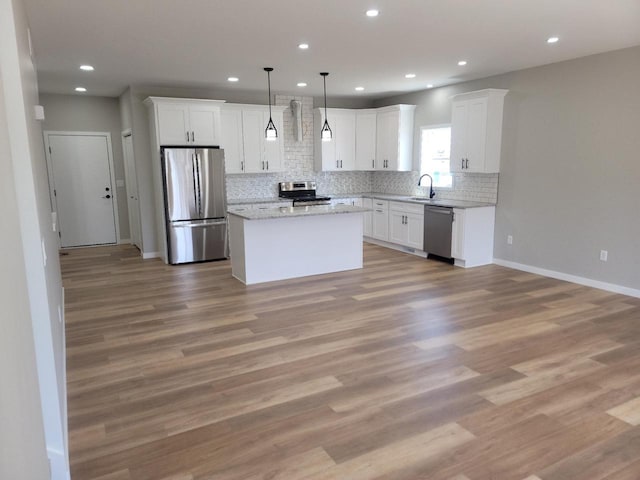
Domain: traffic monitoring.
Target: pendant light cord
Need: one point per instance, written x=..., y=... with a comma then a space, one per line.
x=269, y=82
x=324, y=79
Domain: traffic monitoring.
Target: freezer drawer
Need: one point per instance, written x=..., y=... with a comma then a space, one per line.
x=197, y=241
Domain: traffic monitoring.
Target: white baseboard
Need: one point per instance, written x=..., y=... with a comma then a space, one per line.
x=58, y=464
x=147, y=255
x=609, y=287
x=394, y=246
x=123, y=241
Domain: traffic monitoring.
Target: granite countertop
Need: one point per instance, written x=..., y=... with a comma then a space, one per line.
x=437, y=202
x=286, y=212
x=250, y=201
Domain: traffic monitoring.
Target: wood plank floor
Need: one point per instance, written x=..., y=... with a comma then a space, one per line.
x=407, y=369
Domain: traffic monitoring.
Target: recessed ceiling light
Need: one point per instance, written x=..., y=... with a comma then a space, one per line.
x=302, y=84
x=372, y=13
x=87, y=68
x=232, y=79
x=552, y=39
x=410, y=75
x=359, y=89
x=81, y=89
x=462, y=63
x=430, y=85
x=303, y=46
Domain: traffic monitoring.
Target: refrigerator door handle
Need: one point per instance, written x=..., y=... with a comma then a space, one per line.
x=195, y=188
x=199, y=223
x=197, y=155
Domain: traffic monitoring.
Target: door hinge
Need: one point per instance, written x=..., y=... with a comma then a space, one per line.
x=49, y=150
x=59, y=234
x=55, y=193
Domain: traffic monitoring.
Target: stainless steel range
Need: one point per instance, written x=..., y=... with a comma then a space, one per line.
x=302, y=193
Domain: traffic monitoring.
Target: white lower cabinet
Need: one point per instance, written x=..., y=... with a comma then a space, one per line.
x=472, y=236
x=380, y=220
x=406, y=223
x=368, y=217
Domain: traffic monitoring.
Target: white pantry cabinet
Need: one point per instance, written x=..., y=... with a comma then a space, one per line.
x=476, y=131
x=366, y=121
x=243, y=139
x=186, y=122
x=340, y=152
x=406, y=224
x=472, y=236
x=394, y=138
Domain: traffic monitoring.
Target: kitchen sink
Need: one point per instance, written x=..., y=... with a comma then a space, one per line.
x=431, y=201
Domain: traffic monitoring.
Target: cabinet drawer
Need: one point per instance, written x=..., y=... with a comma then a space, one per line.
x=380, y=205
x=407, y=207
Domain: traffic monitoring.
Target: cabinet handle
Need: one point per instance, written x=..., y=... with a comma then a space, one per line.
x=187, y=136
x=466, y=165
x=337, y=163
x=242, y=166
x=340, y=163
x=267, y=164
x=373, y=163
x=193, y=136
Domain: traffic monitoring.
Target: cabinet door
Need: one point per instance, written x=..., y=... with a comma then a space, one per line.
x=415, y=230
x=173, y=124
x=366, y=140
x=204, y=123
x=368, y=217
x=387, y=126
x=476, y=135
x=397, y=228
x=344, y=125
x=253, y=126
x=231, y=140
x=380, y=220
x=457, y=234
x=273, y=149
x=459, y=121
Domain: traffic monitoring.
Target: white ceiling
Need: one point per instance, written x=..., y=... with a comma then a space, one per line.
x=199, y=43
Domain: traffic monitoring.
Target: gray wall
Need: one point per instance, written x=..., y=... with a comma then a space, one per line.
x=32, y=270
x=91, y=114
x=570, y=166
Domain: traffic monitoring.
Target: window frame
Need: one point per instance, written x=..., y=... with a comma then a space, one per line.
x=433, y=127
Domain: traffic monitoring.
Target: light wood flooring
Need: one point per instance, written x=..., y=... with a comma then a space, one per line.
x=407, y=369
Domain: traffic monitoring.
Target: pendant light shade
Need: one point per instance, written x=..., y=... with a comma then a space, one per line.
x=270, y=133
x=325, y=134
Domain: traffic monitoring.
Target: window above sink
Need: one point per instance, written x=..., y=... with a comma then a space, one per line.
x=435, y=146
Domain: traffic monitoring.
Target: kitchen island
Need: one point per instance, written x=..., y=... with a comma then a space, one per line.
x=291, y=242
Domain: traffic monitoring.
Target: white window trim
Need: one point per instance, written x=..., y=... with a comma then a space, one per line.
x=430, y=127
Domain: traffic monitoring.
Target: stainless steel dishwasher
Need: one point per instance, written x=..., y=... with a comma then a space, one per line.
x=438, y=225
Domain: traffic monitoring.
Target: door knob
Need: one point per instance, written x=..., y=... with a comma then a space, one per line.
x=107, y=189
x=107, y=196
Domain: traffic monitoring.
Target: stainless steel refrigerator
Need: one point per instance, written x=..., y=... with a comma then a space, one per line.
x=195, y=204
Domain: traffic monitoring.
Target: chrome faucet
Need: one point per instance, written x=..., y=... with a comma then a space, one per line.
x=431, y=192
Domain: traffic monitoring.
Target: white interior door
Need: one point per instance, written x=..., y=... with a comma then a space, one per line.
x=81, y=171
x=131, y=179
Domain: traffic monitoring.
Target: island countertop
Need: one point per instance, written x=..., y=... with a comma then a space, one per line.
x=287, y=212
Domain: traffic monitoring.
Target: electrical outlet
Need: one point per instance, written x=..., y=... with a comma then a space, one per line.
x=603, y=255
x=510, y=239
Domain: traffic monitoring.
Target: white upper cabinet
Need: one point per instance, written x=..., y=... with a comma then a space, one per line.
x=232, y=139
x=243, y=138
x=340, y=152
x=394, y=133
x=366, y=139
x=476, y=131
x=186, y=122
x=371, y=139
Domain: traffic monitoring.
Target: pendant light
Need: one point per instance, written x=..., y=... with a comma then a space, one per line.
x=270, y=133
x=325, y=133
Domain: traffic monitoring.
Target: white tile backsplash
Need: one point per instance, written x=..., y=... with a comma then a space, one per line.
x=298, y=165
x=477, y=187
